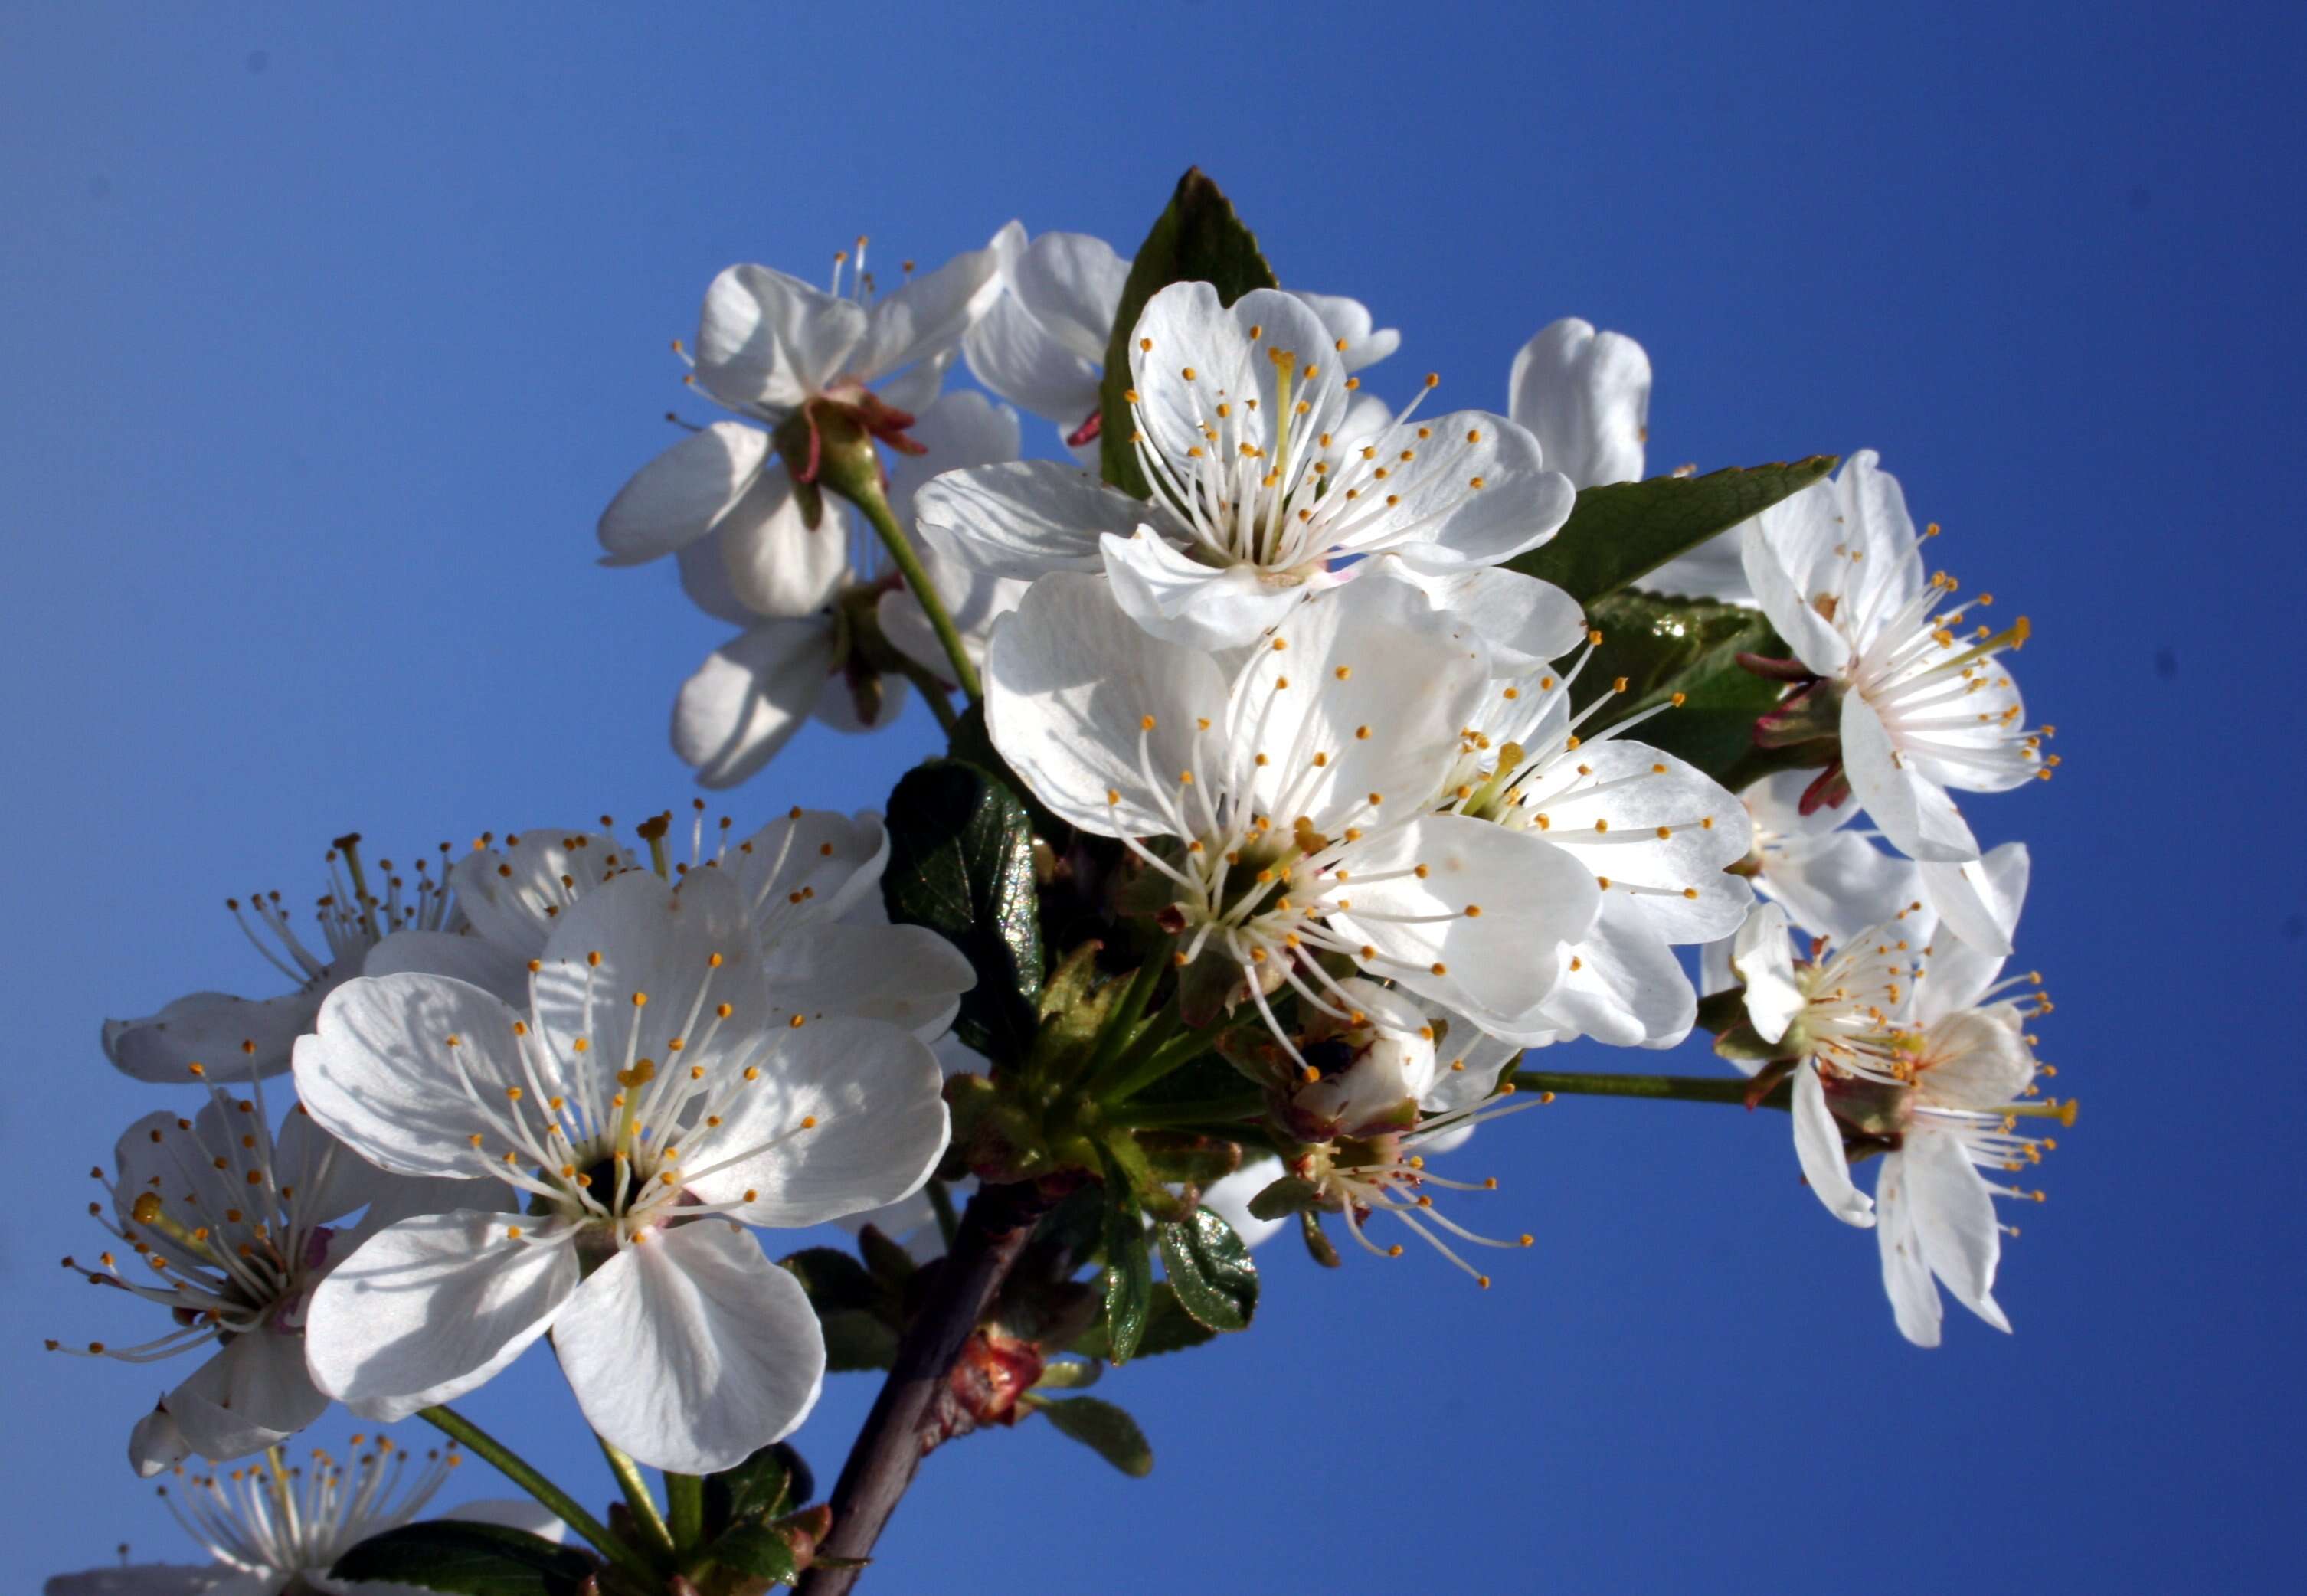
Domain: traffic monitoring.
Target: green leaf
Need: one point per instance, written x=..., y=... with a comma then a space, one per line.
x=834, y=1279
x=756, y=1489
x=1105, y=1430
x=961, y=862
x=891, y=1263
x=1069, y=1374
x=1215, y=1278
x=467, y=1559
x=1196, y=239
x=1662, y=646
x=1128, y=1268
x=1169, y=1328
x=857, y=1339
x=1618, y=533
x=760, y=1551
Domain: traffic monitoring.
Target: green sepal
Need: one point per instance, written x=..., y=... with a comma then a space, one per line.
x=961, y=862
x=1289, y=1195
x=759, y=1551
x=1211, y=1270
x=1318, y=1245
x=756, y=1489
x=1196, y=238
x=465, y=1558
x=1620, y=533
x=1105, y=1430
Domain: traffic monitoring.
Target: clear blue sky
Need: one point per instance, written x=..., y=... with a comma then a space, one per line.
x=327, y=337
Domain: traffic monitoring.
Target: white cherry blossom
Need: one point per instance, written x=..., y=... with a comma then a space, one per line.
x=1263, y=482
x=237, y=1037
x=810, y=880
x=232, y=1226
x=1922, y=707
x=795, y=662
x=1287, y=809
x=773, y=350
x=1043, y=344
x=1911, y=1043
x=1656, y=835
x=276, y=1529
x=650, y=1103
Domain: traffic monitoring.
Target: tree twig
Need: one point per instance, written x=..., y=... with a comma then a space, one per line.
x=994, y=1229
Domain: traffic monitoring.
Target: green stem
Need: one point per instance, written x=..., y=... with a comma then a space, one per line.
x=949, y=1222
x=1679, y=1088
x=515, y=1468
x=933, y=691
x=1157, y=1052
x=685, y=1501
x=1121, y=1021
x=1216, y=1110
x=637, y=1497
x=917, y=581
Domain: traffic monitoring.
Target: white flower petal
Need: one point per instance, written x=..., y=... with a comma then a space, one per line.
x=1071, y=284
x=1476, y=492
x=140, y=1579
x=705, y=579
x=1914, y=812
x=906, y=975
x=1876, y=524
x=680, y=496
x=1906, y=1274
x=1839, y=884
x=1182, y=601
x=1626, y=988
x=511, y=1513
x=1789, y=552
x=835, y=860
x=436, y=1306
x=215, y=1030
x=1522, y=621
x=1014, y=355
x=925, y=315
x=1188, y=329
x=1818, y=1147
x=690, y=1350
x=462, y=954
x=749, y=697
x=1765, y=962
x=253, y=1394
x=959, y=431
x=1025, y=517
x=875, y=1094
x=1716, y=568
x=155, y=1444
x=1954, y=1219
x=1660, y=830
x=382, y=1074
x=1070, y=682
x=513, y=895
x=1979, y=902
x=1350, y=320
x=767, y=341
x=775, y=563
x=1495, y=967
x=1979, y=1060
x=1587, y=395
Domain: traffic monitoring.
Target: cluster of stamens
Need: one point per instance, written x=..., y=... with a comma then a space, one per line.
x=353, y=916
x=1291, y=504
x=272, y=1517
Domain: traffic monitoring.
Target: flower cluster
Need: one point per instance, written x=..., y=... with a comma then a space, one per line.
x=1311, y=759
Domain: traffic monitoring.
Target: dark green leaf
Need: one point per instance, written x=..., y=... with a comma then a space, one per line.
x=1169, y=1328
x=857, y=1339
x=891, y=1263
x=1215, y=1279
x=756, y=1489
x=1128, y=1268
x=1197, y=239
x=466, y=1559
x=961, y=862
x=834, y=1279
x=1617, y=534
x=1106, y=1431
x=1665, y=646
x=758, y=1550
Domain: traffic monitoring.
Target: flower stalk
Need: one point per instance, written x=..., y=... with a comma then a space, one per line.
x=526, y=1475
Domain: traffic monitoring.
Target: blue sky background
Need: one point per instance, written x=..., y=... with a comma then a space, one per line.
x=326, y=338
